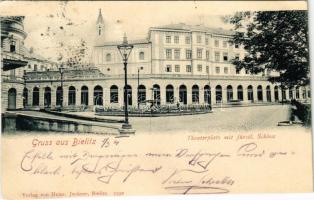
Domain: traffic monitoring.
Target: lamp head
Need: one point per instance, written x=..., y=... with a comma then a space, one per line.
x=125, y=48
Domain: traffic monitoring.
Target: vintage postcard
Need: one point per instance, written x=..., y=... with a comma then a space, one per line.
x=154, y=98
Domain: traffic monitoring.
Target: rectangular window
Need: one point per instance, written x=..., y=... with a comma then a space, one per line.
x=188, y=68
x=187, y=40
x=216, y=43
x=226, y=70
x=207, y=69
x=12, y=73
x=168, y=39
x=224, y=44
x=237, y=71
x=177, y=53
x=217, y=56
x=217, y=70
x=12, y=46
x=206, y=41
x=207, y=55
x=199, y=53
x=35, y=67
x=199, y=39
x=199, y=68
x=237, y=56
x=168, y=68
x=168, y=54
x=225, y=56
x=177, y=68
x=188, y=54
x=247, y=71
x=176, y=39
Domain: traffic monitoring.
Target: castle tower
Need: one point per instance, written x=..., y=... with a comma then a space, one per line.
x=100, y=25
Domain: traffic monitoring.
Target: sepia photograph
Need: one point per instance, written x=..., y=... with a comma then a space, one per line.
x=155, y=98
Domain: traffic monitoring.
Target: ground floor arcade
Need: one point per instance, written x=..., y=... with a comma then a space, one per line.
x=109, y=92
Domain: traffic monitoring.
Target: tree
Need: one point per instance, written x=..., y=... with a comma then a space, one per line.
x=276, y=41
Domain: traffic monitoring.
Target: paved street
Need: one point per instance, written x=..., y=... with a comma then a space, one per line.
x=226, y=119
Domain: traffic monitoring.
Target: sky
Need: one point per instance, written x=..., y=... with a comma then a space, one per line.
x=54, y=28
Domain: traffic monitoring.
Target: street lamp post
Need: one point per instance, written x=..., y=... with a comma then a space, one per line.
x=61, y=70
x=138, y=85
x=125, y=51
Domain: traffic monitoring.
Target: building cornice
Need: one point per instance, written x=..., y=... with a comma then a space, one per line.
x=155, y=76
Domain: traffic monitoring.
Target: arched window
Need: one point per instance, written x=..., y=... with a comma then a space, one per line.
x=229, y=93
x=259, y=93
x=240, y=93
x=156, y=92
x=183, y=94
x=129, y=94
x=84, y=95
x=47, y=97
x=218, y=94
x=290, y=93
x=98, y=95
x=276, y=93
x=71, y=96
x=141, y=55
x=169, y=94
x=25, y=97
x=297, y=92
x=141, y=94
x=268, y=93
x=36, y=96
x=195, y=94
x=114, y=94
x=207, y=94
x=12, y=99
x=250, y=96
x=303, y=92
x=283, y=91
x=59, y=98
x=108, y=57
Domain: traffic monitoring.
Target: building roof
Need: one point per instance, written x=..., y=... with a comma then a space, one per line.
x=31, y=55
x=115, y=43
x=100, y=19
x=185, y=27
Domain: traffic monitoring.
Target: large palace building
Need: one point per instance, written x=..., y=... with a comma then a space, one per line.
x=189, y=64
